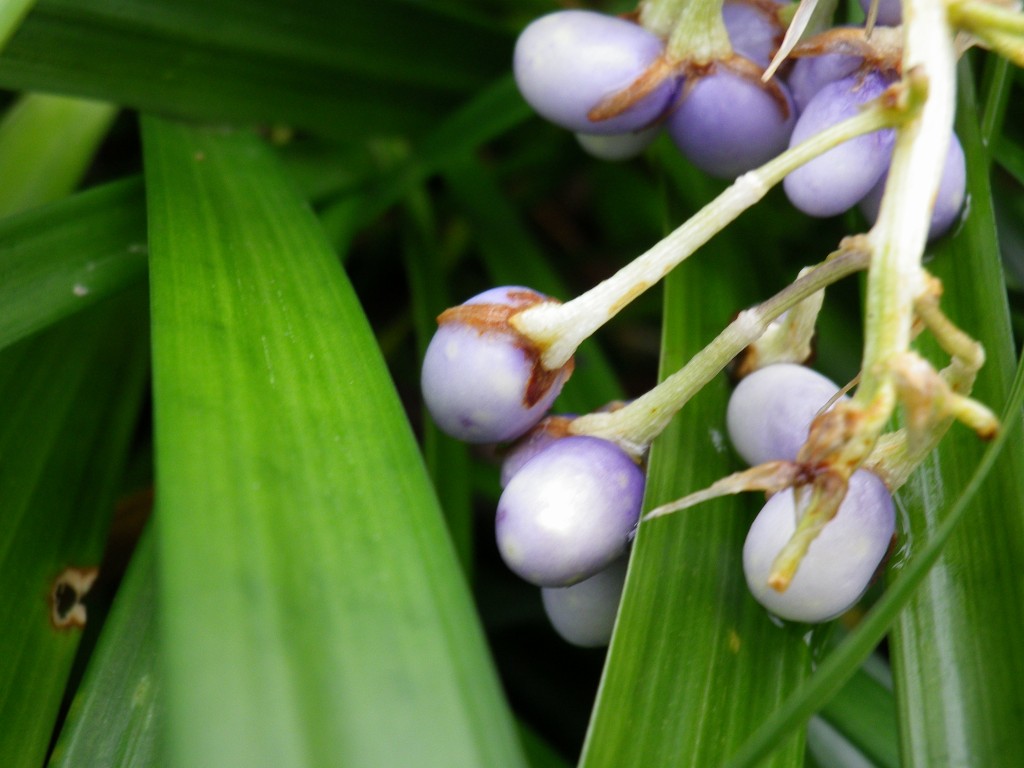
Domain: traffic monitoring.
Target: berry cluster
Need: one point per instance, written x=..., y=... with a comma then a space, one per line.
x=769, y=416
x=573, y=487
x=615, y=83
x=570, y=504
x=611, y=81
x=565, y=521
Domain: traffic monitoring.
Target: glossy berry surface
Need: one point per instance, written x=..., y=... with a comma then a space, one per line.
x=812, y=73
x=533, y=442
x=754, y=30
x=480, y=380
x=771, y=410
x=840, y=562
x=728, y=124
x=569, y=511
x=890, y=12
x=584, y=614
x=837, y=180
x=948, y=202
x=568, y=62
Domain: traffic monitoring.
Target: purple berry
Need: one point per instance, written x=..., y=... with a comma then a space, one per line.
x=618, y=146
x=754, y=30
x=890, y=12
x=949, y=200
x=840, y=562
x=549, y=430
x=812, y=73
x=771, y=410
x=568, y=62
x=482, y=381
x=584, y=614
x=836, y=180
x=569, y=512
x=728, y=124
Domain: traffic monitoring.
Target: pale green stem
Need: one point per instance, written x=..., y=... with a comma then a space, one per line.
x=699, y=36
x=636, y=425
x=895, y=279
x=978, y=17
x=660, y=16
x=558, y=329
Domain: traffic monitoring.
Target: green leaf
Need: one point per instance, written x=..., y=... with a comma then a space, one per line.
x=447, y=458
x=46, y=144
x=337, y=68
x=863, y=713
x=116, y=716
x=491, y=112
x=313, y=611
x=71, y=396
x=695, y=664
x=11, y=14
x=956, y=647
x=63, y=257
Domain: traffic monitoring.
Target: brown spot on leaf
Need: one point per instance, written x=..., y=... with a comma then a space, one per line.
x=69, y=588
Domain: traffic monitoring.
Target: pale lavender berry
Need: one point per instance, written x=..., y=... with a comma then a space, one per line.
x=754, y=30
x=569, y=511
x=948, y=202
x=839, y=178
x=840, y=562
x=890, y=12
x=812, y=73
x=533, y=442
x=770, y=412
x=618, y=146
x=728, y=124
x=481, y=380
x=568, y=62
x=584, y=614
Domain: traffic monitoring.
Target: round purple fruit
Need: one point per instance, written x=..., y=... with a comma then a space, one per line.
x=569, y=511
x=728, y=123
x=482, y=381
x=568, y=62
x=584, y=614
x=840, y=562
x=837, y=179
x=771, y=410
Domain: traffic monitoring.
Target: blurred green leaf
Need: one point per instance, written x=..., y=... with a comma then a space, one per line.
x=60, y=258
x=955, y=648
x=11, y=14
x=313, y=611
x=116, y=716
x=337, y=68
x=491, y=112
x=447, y=458
x=71, y=396
x=46, y=144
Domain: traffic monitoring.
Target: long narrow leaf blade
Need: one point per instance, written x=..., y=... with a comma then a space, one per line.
x=339, y=68
x=956, y=647
x=46, y=144
x=61, y=258
x=313, y=610
x=695, y=664
x=117, y=714
x=70, y=396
